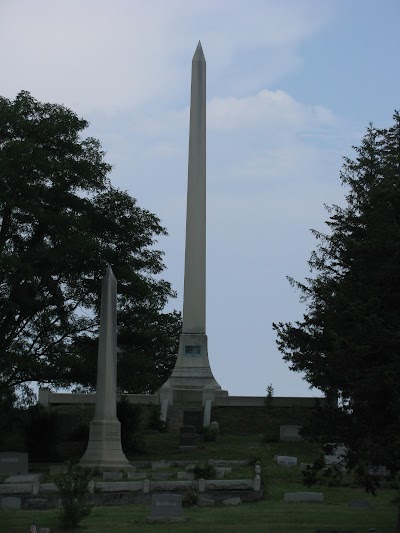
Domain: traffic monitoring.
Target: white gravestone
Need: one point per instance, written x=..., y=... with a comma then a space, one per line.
x=290, y=433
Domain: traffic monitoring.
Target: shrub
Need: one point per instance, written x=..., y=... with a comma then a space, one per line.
x=79, y=433
x=190, y=498
x=320, y=474
x=269, y=396
x=155, y=422
x=210, y=434
x=74, y=494
x=204, y=471
x=131, y=417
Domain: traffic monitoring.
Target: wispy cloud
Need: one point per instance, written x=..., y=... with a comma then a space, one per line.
x=127, y=54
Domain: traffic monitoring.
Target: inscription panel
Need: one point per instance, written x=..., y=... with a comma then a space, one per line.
x=193, y=350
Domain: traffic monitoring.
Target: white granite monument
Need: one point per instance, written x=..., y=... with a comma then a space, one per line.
x=192, y=373
x=104, y=447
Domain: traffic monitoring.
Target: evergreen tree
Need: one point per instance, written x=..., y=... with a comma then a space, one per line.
x=348, y=342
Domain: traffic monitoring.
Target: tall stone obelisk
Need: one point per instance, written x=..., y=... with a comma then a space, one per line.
x=104, y=447
x=192, y=372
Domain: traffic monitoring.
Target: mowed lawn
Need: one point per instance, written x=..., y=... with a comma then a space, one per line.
x=271, y=515
x=264, y=517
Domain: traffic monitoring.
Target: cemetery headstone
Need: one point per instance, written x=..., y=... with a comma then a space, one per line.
x=214, y=426
x=10, y=502
x=36, y=503
x=235, y=500
x=303, y=497
x=160, y=465
x=35, y=488
x=205, y=502
x=185, y=476
x=162, y=476
x=112, y=476
x=13, y=463
x=337, y=456
x=333, y=531
x=285, y=460
x=290, y=433
x=137, y=475
x=166, y=508
x=23, y=478
x=359, y=504
x=379, y=471
x=223, y=469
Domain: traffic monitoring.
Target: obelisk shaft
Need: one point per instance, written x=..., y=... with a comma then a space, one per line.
x=106, y=389
x=194, y=298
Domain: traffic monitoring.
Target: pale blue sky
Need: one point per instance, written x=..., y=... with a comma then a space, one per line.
x=291, y=85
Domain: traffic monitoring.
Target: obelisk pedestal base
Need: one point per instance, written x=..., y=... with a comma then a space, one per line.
x=192, y=379
x=104, y=449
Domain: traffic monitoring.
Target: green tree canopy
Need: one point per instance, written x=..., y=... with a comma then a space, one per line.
x=61, y=222
x=348, y=342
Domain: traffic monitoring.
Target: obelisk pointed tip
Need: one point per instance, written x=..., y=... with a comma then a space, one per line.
x=199, y=55
x=109, y=272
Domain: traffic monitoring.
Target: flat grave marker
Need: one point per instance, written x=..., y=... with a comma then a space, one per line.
x=359, y=504
x=311, y=497
x=333, y=531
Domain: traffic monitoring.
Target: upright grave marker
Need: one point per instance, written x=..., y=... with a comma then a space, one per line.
x=166, y=508
x=13, y=463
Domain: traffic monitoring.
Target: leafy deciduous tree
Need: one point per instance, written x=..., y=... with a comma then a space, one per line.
x=61, y=222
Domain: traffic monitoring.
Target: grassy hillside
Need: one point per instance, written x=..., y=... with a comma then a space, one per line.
x=270, y=515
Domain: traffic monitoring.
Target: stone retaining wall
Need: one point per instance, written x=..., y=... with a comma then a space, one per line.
x=45, y=495
x=45, y=397
x=201, y=485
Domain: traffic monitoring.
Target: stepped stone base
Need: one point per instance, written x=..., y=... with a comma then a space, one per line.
x=192, y=380
x=104, y=449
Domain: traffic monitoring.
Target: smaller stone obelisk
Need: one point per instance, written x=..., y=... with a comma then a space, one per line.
x=104, y=448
